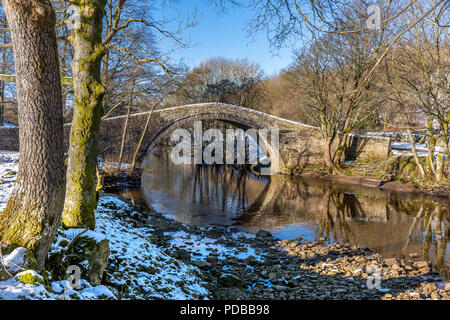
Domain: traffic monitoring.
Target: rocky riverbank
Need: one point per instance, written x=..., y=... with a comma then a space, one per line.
x=154, y=257
x=236, y=265
x=398, y=173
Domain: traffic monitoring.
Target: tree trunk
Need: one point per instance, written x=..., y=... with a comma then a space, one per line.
x=337, y=158
x=131, y=171
x=431, y=145
x=124, y=134
x=3, y=71
x=442, y=156
x=33, y=213
x=125, y=128
x=440, y=159
x=446, y=150
x=327, y=154
x=81, y=195
x=414, y=152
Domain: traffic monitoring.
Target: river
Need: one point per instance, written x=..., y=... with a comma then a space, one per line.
x=408, y=226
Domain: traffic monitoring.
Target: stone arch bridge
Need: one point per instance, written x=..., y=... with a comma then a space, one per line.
x=299, y=145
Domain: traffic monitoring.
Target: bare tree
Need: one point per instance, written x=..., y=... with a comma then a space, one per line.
x=223, y=80
x=326, y=78
x=297, y=21
x=419, y=76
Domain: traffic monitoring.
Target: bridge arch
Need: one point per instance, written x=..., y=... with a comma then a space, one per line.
x=300, y=144
x=167, y=120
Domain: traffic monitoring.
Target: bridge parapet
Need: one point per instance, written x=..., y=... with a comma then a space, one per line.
x=300, y=144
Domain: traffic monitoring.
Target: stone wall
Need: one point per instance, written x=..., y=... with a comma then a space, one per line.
x=299, y=148
x=305, y=146
x=299, y=144
x=367, y=148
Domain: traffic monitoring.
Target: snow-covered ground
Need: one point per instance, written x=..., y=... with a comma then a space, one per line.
x=201, y=247
x=395, y=135
x=404, y=148
x=9, y=161
x=144, y=268
x=8, y=125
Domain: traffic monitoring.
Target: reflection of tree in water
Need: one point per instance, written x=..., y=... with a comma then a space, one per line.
x=223, y=186
x=338, y=208
x=429, y=225
x=388, y=223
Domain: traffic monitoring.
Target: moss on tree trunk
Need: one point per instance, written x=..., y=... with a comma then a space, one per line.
x=33, y=213
x=81, y=194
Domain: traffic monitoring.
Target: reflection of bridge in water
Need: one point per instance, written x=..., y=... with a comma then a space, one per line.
x=392, y=224
x=388, y=223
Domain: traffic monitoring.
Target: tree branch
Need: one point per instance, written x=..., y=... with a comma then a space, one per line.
x=12, y=78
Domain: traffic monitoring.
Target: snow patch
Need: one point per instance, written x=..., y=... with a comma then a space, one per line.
x=8, y=125
x=201, y=247
x=9, y=162
x=143, y=268
x=15, y=260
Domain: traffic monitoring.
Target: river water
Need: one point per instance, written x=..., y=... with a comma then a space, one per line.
x=401, y=225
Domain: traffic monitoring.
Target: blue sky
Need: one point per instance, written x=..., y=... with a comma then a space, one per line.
x=223, y=35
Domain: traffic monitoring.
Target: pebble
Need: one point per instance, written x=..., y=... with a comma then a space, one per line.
x=308, y=270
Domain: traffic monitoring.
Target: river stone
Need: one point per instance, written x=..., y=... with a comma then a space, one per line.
x=262, y=234
x=204, y=265
x=230, y=294
x=228, y=280
x=421, y=264
x=212, y=258
x=340, y=290
x=93, y=248
x=293, y=283
x=280, y=288
x=391, y=262
x=182, y=254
